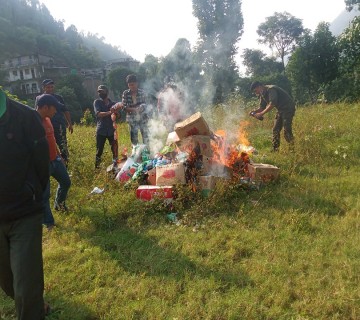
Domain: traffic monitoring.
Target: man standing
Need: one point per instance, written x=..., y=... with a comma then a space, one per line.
x=273, y=96
x=46, y=107
x=134, y=104
x=24, y=173
x=60, y=121
x=104, y=108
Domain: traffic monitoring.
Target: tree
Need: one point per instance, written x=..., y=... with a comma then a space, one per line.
x=116, y=80
x=280, y=31
x=347, y=85
x=314, y=64
x=350, y=4
x=75, y=96
x=220, y=24
x=258, y=65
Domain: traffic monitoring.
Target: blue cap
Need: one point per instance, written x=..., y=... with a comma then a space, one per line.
x=47, y=81
x=48, y=100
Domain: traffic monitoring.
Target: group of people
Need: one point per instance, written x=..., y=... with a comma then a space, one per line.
x=134, y=102
x=33, y=147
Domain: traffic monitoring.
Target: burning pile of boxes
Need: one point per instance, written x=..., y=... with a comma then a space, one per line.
x=195, y=155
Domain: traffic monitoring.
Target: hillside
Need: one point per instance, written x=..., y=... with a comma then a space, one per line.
x=27, y=27
x=343, y=21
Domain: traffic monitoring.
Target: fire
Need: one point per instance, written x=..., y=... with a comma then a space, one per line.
x=242, y=133
x=235, y=156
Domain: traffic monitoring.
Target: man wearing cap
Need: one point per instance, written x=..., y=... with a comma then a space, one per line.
x=104, y=108
x=60, y=121
x=24, y=173
x=272, y=96
x=134, y=102
x=47, y=105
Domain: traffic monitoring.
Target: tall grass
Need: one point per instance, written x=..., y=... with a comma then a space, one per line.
x=287, y=251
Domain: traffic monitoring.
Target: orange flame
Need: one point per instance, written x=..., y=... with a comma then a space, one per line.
x=231, y=155
x=242, y=133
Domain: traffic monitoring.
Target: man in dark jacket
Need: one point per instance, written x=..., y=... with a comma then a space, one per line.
x=104, y=109
x=24, y=173
x=272, y=96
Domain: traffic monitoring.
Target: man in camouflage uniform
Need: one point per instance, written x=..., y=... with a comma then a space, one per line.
x=273, y=96
x=134, y=104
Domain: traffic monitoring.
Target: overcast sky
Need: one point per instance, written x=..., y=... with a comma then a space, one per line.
x=142, y=27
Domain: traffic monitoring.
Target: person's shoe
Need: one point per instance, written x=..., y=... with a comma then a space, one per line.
x=50, y=227
x=61, y=207
x=47, y=309
x=274, y=150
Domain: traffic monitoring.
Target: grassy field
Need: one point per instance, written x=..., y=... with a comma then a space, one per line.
x=287, y=251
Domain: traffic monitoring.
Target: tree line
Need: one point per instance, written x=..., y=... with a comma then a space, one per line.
x=312, y=66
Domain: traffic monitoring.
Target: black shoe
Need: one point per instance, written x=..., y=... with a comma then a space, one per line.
x=61, y=207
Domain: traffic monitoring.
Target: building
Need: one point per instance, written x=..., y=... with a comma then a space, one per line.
x=25, y=73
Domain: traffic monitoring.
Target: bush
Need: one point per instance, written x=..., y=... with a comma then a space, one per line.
x=87, y=119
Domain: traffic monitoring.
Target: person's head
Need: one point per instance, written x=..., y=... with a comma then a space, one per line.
x=48, y=86
x=132, y=83
x=103, y=91
x=47, y=105
x=257, y=87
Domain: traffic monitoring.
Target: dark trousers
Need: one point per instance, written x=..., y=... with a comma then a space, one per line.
x=61, y=141
x=282, y=120
x=135, y=127
x=100, y=143
x=21, y=265
x=58, y=171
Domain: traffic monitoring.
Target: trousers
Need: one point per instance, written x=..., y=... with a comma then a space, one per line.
x=58, y=171
x=21, y=265
x=282, y=120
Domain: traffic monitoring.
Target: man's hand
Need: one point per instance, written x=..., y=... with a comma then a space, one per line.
x=70, y=127
x=257, y=115
x=117, y=106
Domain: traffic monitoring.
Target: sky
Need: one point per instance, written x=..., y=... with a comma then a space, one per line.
x=142, y=27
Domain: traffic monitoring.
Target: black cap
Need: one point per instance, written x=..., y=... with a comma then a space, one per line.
x=48, y=100
x=102, y=88
x=254, y=85
x=47, y=82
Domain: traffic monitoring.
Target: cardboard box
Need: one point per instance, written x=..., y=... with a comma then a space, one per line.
x=170, y=174
x=214, y=168
x=261, y=172
x=147, y=193
x=172, y=137
x=194, y=125
x=200, y=144
x=151, y=178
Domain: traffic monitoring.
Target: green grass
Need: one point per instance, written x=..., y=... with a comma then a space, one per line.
x=288, y=251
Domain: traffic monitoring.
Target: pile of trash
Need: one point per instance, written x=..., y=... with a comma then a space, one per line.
x=193, y=155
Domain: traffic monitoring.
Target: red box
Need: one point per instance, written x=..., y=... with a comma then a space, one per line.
x=147, y=193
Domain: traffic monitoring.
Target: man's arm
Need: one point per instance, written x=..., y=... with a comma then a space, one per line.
x=68, y=120
x=273, y=97
x=40, y=149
